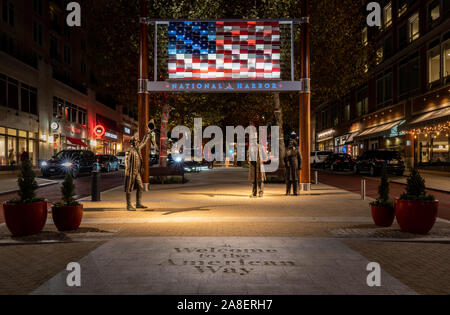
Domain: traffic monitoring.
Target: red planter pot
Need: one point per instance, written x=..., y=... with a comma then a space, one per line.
x=25, y=218
x=383, y=216
x=67, y=218
x=416, y=216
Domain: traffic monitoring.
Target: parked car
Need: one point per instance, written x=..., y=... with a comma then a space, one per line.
x=73, y=161
x=373, y=161
x=107, y=162
x=318, y=157
x=121, y=157
x=339, y=162
x=154, y=159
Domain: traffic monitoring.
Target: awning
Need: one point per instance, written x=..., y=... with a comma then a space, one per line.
x=430, y=118
x=351, y=138
x=75, y=141
x=379, y=130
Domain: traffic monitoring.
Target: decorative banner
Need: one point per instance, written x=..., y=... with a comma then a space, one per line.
x=224, y=50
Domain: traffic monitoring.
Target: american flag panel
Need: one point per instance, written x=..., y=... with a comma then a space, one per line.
x=224, y=50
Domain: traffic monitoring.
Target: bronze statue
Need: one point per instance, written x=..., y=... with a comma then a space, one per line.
x=134, y=167
x=293, y=165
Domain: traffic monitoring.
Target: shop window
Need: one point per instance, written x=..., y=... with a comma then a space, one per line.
x=12, y=150
x=434, y=64
x=413, y=27
x=387, y=15
x=446, y=50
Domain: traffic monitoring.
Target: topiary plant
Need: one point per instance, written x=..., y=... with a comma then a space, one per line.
x=383, y=191
x=27, y=184
x=415, y=188
x=67, y=192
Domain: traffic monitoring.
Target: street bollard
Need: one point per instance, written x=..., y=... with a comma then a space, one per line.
x=363, y=189
x=95, y=191
x=316, y=177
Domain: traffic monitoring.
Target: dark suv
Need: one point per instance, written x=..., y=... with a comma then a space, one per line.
x=73, y=161
x=373, y=161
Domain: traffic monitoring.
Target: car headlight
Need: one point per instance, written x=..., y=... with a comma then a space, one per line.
x=67, y=164
x=44, y=164
x=178, y=159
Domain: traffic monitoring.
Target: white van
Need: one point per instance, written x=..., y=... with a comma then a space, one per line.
x=318, y=157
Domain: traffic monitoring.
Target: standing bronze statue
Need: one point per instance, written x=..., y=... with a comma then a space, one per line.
x=134, y=167
x=293, y=165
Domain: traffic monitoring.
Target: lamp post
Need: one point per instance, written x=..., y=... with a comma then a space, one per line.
x=143, y=96
x=305, y=99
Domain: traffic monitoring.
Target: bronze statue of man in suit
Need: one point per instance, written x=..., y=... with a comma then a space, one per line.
x=293, y=165
x=134, y=167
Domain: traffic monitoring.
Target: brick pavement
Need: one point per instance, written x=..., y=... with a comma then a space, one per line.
x=216, y=204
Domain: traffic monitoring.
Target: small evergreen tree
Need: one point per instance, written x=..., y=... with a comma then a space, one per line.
x=27, y=183
x=68, y=191
x=383, y=191
x=415, y=188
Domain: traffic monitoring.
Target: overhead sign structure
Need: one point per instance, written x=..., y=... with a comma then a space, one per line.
x=224, y=56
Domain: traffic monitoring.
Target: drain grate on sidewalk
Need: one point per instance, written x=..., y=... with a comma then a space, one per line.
x=389, y=233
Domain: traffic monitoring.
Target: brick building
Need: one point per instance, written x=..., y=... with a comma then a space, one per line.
x=48, y=101
x=405, y=104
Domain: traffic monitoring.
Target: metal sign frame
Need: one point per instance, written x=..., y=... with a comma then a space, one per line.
x=225, y=85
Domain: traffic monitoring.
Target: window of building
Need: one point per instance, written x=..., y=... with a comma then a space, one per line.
x=434, y=13
x=37, y=6
x=379, y=58
x=387, y=15
x=384, y=90
x=5, y=11
x=413, y=28
x=434, y=64
x=364, y=36
x=54, y=51
x=11, y=14
x=83, y=67
x=37, y=33
x=347, y=112
x=402, y=7
x=58, y=107
x=324, y=119
x=67, y=57
x=362, y=102
x=13, y=94
x=409, y=79
x=28, y=99
x=387, y=47
x=3, y=90
x=446, y=50
x=403, y=36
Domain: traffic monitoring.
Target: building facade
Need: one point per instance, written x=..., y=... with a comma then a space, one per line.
x=46, y=104
x=405, y=104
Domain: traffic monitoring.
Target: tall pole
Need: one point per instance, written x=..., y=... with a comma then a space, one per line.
x=305, y=99
x=143, y=96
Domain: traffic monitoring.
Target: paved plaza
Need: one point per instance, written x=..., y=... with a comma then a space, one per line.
x=209, y=237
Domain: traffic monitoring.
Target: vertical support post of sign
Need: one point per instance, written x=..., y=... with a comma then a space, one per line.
x=305, y=98
x=143, y=96
x=292, y=52
x=155, y=56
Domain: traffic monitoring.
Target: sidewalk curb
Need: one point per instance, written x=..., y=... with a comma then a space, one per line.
x=16, y=190
x=428, y=188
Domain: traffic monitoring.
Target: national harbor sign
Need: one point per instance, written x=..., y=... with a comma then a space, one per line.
x=224, y=86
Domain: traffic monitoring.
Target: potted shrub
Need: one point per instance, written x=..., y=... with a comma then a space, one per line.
x=27, y=214
x=67, y=213
x=416, y=211
x=383, y=209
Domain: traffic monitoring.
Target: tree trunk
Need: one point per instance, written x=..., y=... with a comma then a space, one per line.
x=279, y=121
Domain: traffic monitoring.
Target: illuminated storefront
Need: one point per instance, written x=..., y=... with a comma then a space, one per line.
x=324, y=140
x=14, y=142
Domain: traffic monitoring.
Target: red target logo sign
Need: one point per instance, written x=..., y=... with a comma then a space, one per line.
x=99, y=131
